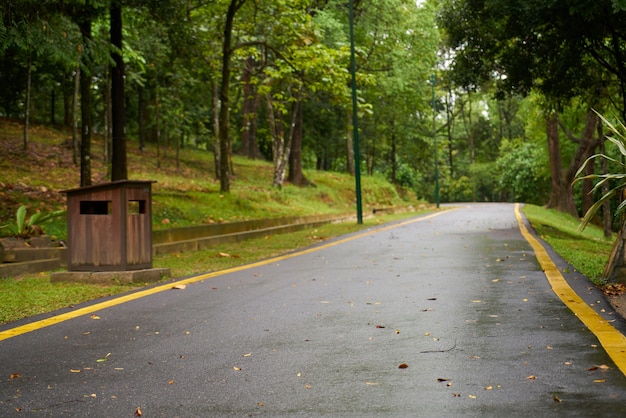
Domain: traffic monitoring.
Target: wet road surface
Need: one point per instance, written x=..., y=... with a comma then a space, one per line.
x=459, y=298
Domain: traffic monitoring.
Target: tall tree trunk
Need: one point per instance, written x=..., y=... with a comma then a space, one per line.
x=554, y=155
x=67, y=105
x=108, y=120
x=29, y=73
x=157, y=123
x=296, y=175
x=216, y=130
x=142, y=109
x=249, y=145
x=118, y=155
x=75, y=142
x=224, y=124
x=85, y=105
x=392, y=154
x=587, y=144
x=350, y=147
x=53, y=106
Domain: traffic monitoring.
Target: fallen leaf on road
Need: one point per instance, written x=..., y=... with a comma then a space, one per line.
x=235, y=368
x=489, y=387
x=443, y=379
x=14, y=375
x=380, y=326
x=94, y=316
x=556, y=399
x=599, y=381
x=403, y=366
x=247, y=354
x=103, y=359
x=180, y=287
x=171, y=382
x=138, y=412
x=74, y=370
x=372, y=383
x=531, y=377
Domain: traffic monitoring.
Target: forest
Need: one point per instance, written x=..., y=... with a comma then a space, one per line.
x=457, y=100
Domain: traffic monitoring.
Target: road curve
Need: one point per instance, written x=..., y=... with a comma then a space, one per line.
x=448, y=314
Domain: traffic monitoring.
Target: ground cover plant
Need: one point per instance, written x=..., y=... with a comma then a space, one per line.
x=588, y=250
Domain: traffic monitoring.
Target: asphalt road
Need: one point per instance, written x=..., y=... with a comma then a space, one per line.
x=459, y=298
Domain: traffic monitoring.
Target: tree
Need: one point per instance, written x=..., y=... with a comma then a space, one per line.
x=118, y=160
x=517, y=41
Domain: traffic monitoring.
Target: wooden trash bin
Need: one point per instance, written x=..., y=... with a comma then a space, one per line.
x=109, y=226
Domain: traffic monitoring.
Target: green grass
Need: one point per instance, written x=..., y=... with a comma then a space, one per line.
x=588, y=251
x=33, y=295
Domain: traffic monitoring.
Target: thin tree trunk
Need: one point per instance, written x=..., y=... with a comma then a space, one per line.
x=29, y=72
x=53, y=106
x=216, y=130
x=118, y=156
x=85, y=106
x=108, y=119
x=296, y=175
x=350, y=147
x=141, y=117
x=75, y=142
x=554, y=155
x=157, y=121
x=224, y=137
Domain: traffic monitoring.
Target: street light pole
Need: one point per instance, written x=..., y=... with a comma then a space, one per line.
x=432, y=86
x=355, y=136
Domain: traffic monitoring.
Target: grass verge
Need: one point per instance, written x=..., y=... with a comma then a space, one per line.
x=588, y=251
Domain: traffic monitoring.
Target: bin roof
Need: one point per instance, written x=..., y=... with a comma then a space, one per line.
x=112, y=184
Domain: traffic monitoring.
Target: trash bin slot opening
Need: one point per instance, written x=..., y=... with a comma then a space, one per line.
x=136, y=207
x=95, y=207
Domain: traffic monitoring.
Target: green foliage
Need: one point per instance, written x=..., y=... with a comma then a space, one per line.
x=23, y=227
x=615, y=181
x=457, y=189
x=519, y=172
x=587, y=251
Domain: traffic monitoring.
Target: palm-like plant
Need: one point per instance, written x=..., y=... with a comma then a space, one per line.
x=616, y=180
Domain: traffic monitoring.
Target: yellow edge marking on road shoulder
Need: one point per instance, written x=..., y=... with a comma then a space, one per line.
x=33, y=326
x=612, y=340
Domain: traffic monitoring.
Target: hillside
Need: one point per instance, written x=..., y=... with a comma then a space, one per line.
x=187, y=194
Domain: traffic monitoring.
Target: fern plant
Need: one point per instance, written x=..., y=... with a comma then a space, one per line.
x=33, y=225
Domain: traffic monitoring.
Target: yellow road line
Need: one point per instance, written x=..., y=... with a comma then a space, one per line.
x=612, y=340
x=33, y=326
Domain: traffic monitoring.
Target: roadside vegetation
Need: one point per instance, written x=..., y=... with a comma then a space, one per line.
x=185, y=194
x=587, y=250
